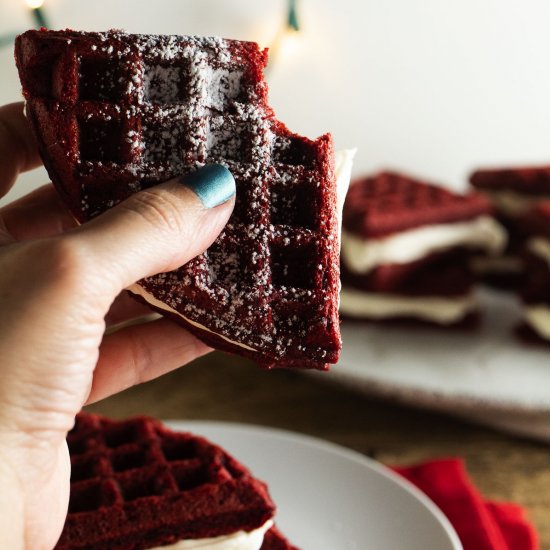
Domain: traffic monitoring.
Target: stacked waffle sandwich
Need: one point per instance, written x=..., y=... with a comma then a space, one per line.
x=513, y=192
x=535, y=226
x=406, y=250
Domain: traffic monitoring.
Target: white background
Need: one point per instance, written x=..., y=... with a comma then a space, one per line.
x=435, y=87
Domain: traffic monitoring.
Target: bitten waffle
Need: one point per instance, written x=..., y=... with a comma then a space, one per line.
x=115, y=113
x=137, y=485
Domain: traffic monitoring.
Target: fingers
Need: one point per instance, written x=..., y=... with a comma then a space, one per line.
x=18, y=152
x=140, y=353
x=159, y=229
x=38, y=214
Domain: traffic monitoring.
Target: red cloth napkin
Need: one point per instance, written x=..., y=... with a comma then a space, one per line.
x=480, y=524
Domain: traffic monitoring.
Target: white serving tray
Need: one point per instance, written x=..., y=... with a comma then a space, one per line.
x=486, y=374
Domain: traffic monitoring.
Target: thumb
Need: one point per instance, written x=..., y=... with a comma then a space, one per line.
x=158, y=229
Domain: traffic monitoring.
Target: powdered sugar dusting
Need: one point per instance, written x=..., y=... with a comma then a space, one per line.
x=161, y=84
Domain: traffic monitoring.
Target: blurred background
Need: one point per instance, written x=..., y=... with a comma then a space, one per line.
x=431, y=87
x=434, y=88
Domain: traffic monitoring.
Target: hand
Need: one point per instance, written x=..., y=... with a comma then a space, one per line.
x=60, y=285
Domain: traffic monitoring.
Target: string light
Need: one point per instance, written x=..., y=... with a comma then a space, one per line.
x=36, y=8
x=292, y=20
x=287, y=41
x=37, y=11
x=34, y=4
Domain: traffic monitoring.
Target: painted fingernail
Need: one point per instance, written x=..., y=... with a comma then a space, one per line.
x=214, y=184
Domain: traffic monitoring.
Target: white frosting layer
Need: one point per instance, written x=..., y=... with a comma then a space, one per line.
x=512, y=203
x=363, y=255
x=538, y=317
x=360, y=304
x=343, y=165
x=540, y=246
x=241, y=540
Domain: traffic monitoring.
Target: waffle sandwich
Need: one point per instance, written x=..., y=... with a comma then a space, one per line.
x=513, y=193
x=136, y=485
x=115, y=113
x=406, y=249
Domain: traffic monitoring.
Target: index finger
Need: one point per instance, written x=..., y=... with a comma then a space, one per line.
x=18, y=151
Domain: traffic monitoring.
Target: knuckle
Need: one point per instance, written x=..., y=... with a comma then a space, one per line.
x=157, y=209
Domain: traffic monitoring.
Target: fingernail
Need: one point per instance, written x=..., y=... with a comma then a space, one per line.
x=214, y=184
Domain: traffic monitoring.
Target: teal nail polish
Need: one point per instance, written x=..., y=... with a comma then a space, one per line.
x=213, y=184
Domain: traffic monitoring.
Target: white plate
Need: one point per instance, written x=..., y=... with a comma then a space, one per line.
x=331, y=498
x=486, y=374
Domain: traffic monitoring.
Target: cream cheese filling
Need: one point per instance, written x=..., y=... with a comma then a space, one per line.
x=241, y=540
x=363, y=255
x=538, y=317
x=512, y=203
x=343, y=162
x=540, y=246
x=361, y=304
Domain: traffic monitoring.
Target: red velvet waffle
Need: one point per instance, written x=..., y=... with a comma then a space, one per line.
x=377, y=206
x=536, y=222
x=444, y=274
x=115, y=113
x=137, y=485
x=532, y=180
x=447, y=279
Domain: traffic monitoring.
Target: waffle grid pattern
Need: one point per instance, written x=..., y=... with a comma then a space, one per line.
x=136, y=477
x=389, y=202
x=133, y=111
